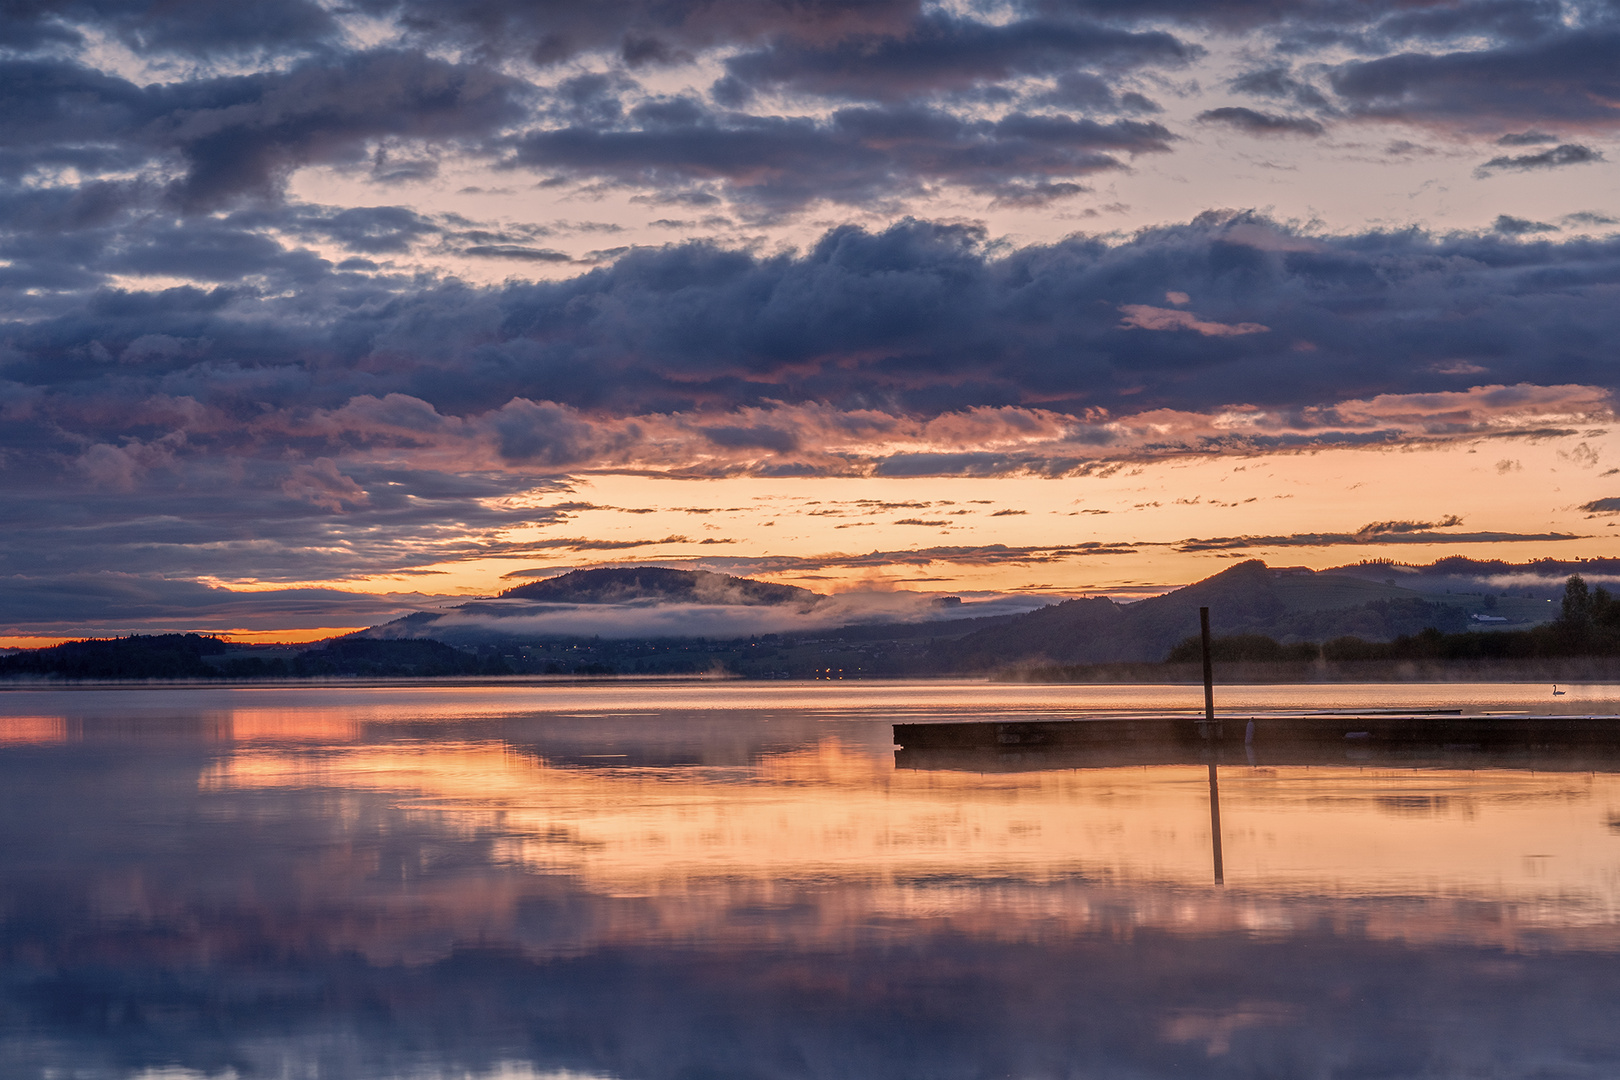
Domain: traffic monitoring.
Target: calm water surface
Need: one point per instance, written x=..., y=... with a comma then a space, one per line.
x=684, y=881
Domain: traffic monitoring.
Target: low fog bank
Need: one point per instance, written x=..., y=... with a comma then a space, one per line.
x=517, y=618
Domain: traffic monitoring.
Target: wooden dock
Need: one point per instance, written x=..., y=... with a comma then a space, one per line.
x=1396, y=737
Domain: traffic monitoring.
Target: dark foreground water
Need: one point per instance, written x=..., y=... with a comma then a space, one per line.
x=723, y=881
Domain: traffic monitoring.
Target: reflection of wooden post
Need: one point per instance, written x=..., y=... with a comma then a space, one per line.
x=1212, y=735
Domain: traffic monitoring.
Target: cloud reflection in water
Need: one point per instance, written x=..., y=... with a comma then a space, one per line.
x=249, y=883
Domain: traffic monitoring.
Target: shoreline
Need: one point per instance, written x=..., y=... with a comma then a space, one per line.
x=1573, y=671
x=1553, y=670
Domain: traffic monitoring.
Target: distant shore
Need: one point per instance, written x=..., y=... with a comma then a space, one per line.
x=1573, y=669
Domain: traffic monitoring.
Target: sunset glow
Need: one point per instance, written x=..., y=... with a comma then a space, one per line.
x=317, y=320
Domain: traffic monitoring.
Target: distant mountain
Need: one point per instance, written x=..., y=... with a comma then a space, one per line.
x=651, y=620
x=657, y=621
x=1289, y=604
x=614, y=585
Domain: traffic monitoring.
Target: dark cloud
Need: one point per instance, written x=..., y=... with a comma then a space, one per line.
x=1082, y=91
x=639, y=31
x=1253, y=122
x=1526, y=138
x=1558, y=156
x=1279, y=82
x=374, y=230
x=856, y=156
x=196, y=28
x=163, y=510
x=1602, y=506
x=918, y=319
x=1497, y=20
x=580, y=543
x=1364, y=537
x=945, y=53
x=756, y=437
x=967, y=463
x=930, y=320
x=1512, y=226
x=1302, y=24
x=109, y=602
x=1567, y=77
x=954, y=555
x=1225, y=14
x=517, y=251
x=211, y=142
x=243, y=135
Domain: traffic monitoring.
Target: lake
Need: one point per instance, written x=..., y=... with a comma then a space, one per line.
x=681, y=881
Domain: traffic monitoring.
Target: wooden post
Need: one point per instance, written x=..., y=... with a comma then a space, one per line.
x=1212, y=736
x=1209, y=670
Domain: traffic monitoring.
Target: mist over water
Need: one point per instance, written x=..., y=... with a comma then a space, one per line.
x=683, y=880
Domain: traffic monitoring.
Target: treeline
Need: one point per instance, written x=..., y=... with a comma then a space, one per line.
x=198, y=656
x=1588, y=625
x=153, y=656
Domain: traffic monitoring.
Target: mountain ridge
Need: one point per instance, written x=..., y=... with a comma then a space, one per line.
x=1287, y=603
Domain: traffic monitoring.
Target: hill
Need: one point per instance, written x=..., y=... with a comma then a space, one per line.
x=657, y=584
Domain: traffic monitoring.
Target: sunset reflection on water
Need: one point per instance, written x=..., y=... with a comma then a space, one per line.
x=705, y=880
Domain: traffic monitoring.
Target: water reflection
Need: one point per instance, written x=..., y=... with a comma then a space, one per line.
x=671, y=882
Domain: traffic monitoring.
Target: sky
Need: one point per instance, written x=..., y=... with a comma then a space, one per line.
x=313, y=314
